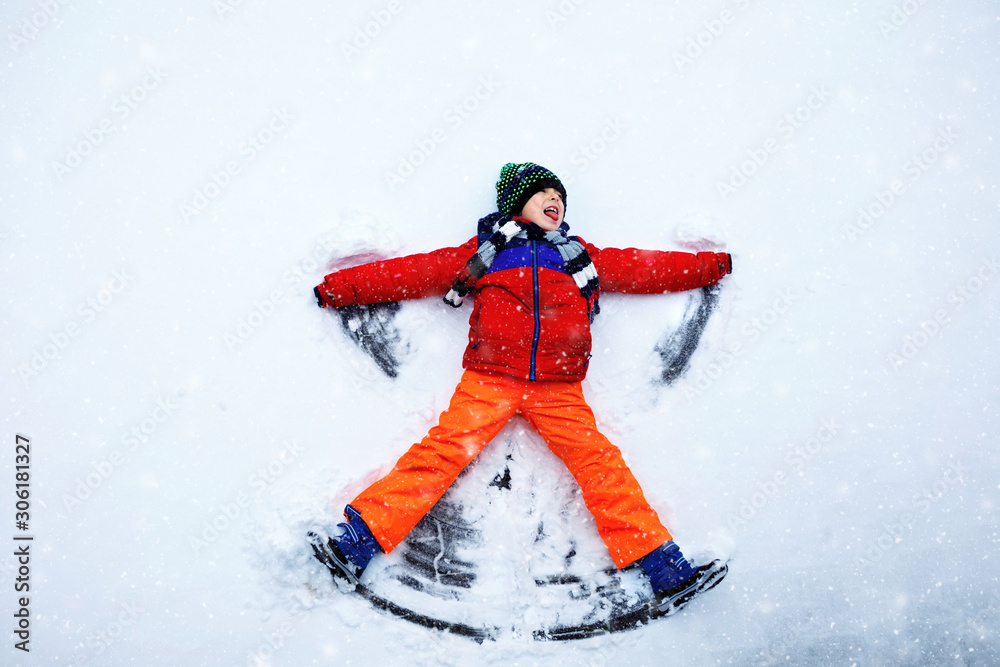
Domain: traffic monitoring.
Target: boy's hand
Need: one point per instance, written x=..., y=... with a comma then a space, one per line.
x=725, y=263
x=322, y=298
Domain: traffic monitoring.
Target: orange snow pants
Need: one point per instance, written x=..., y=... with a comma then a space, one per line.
x=479, y=409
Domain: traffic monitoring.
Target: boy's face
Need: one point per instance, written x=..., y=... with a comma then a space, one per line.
x=545, y=209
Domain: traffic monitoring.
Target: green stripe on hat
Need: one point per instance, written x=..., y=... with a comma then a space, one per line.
x=518, y=182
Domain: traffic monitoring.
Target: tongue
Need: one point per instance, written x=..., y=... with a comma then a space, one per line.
x=552, y=215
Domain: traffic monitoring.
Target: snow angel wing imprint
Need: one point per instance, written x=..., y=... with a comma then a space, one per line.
x=373, y=329
x=677, y=347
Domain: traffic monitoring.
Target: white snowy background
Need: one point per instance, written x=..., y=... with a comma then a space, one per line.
x=176, y=178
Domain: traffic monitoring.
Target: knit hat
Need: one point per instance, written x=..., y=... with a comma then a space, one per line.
x=519, y=182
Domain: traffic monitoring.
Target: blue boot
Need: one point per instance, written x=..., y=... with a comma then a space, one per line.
x=346, y=554
x=673, y=579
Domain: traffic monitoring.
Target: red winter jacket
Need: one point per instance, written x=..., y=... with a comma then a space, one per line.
x=529, y=319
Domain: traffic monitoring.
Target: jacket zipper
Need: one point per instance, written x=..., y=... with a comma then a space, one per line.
x=538, y=322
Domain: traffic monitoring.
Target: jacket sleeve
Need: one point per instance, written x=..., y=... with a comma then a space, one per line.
x=410, y=277
x=635, y=271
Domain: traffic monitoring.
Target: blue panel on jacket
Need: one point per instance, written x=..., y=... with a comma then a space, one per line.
x=519, y=256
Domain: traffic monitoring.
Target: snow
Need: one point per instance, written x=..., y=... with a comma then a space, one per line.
x=177, y=178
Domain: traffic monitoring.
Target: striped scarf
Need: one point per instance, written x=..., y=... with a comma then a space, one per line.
x=502, y=230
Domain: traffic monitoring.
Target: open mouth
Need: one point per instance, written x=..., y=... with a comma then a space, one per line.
x=552, y=212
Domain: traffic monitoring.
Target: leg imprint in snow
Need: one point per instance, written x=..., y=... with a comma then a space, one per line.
x=496, y=557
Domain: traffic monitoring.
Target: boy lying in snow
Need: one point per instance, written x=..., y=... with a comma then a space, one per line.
x=535, y=294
